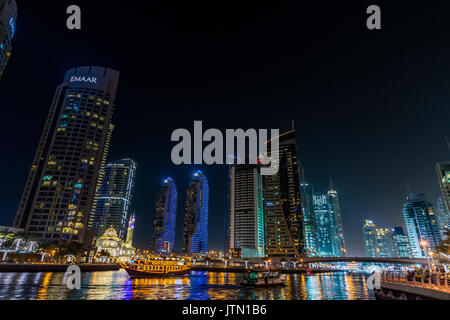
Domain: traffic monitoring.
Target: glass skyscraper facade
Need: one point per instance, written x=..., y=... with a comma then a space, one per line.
x=246, y=211
x=68, y=166
x=443, y=209
x=195, y=236
x=163, y=237
x=112, y=203
x=8, y=17
x=327, y=244
x=402, y=244
x=442, y=216
x=309, y=225
x=335, y=208
x=282, y=203
x=326, y=221
x=384, y=242
x=370, y=239
x=421, y=224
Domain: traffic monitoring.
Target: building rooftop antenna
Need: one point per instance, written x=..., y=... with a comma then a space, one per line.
x=407, y=186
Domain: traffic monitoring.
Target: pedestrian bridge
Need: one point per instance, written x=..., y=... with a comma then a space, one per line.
x=365, y=259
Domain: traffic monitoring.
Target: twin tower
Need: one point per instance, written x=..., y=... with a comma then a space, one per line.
x=195, y=235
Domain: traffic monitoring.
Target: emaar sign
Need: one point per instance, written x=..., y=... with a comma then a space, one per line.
x=83, y=79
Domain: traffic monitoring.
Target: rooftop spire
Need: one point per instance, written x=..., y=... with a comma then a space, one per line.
x=331, y=184
x=407, y=186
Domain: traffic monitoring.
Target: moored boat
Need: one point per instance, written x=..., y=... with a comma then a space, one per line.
x=147, y=268
x=266, y=279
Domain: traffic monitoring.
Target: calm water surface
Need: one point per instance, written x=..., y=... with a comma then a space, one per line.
x=116, y=285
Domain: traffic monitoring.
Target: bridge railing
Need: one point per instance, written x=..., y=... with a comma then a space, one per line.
x=435, y=280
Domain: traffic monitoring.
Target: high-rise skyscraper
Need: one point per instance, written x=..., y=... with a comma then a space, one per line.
x=227, y=218
x=421, y=224
x=69, y=162
x=327, y=244
x=282, y=203
x=309, y=225
x=442, y=216
x=8, y=16
x=443, y=208
x=163, y=238
x=370, y=239
x=384, y=242
x=112, y=203
x=246, y=211
x=195, y=236
x=335, y=207
x=402, y=244
x=328, y=231
x=443, y=173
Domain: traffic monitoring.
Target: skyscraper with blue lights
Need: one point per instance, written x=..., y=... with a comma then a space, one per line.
x=309, y=224
x=163, y=238
x=421, y=224
x=402, y=243
x=8, y=16
x=112, y=203
x=385, y=242
x=327, y=221
x=195, y=236
x=335, y=208
x=327, y=244
x=69, y=162
x=443, y=208
x=370, y=239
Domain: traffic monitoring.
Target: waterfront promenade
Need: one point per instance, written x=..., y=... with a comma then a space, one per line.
x=399, y=285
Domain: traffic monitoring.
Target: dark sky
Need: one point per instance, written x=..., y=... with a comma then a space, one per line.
x=371, y=107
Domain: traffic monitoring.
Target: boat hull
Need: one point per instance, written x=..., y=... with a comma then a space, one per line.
x=145, y=274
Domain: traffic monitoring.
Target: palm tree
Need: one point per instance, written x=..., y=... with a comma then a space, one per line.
x=6, y=234
x=49, y=249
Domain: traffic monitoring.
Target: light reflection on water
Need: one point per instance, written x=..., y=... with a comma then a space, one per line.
x=116, y=285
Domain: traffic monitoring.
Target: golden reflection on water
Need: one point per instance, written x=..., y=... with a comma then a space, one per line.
x=43, y=290
x=116, y=285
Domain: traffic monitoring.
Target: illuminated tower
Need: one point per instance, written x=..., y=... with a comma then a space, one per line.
x=246, y=222
x=195, y=237
x=130, y=231
x=68, y=166
x=421, y=224
x=443, y=216
x=335, y=207
x=8, y=16
x=309, y=224
x=163, y=239
x=443, y=173
x=327, y=244
x=282, y=203
x=112, y=203
x=370, y=239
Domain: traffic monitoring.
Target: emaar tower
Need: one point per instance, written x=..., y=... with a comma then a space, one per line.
x=68, y=166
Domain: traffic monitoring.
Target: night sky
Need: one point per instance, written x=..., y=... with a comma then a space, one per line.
x=371, y=108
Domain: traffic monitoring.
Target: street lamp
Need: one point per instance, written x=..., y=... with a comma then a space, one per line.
x=424, y=244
